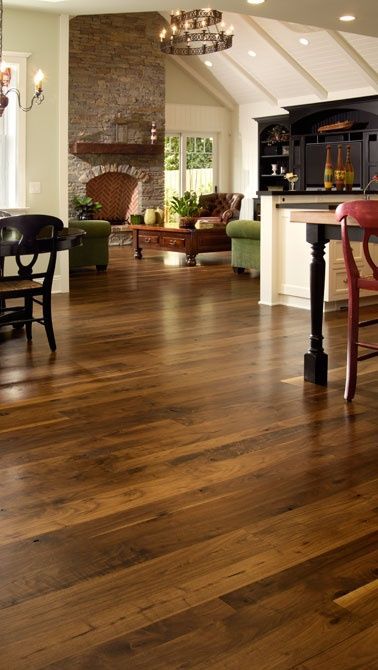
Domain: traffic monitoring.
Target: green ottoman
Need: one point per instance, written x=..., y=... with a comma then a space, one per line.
x=95, y=247
x=245, y=244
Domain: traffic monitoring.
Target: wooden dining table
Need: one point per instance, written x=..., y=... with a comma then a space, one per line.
x=67, y=238
x=321, y=227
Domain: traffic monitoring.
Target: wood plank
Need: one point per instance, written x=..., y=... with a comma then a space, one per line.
x=166, y=500
x=81, y=148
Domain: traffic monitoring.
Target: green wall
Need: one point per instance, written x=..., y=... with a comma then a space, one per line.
x=182, y=89
x=38, y=33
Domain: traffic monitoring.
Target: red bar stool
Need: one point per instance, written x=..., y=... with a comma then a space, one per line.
x=365, y=214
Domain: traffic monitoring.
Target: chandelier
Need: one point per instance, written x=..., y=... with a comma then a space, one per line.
x=191, y=33
x=6, y=75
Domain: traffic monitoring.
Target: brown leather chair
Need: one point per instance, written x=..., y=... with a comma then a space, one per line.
x=226, y=206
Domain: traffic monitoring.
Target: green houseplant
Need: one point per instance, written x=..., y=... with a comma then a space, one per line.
x=85, y=206
x=186, y=206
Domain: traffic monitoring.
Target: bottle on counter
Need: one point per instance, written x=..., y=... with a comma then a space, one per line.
x=349, y=170
x=328, y=170
x=340, y=170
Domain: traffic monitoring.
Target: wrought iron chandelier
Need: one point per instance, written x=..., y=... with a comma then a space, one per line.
x=6, y=76
x=191, y=33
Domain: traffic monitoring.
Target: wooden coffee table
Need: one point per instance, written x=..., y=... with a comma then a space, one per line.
x=183, y=240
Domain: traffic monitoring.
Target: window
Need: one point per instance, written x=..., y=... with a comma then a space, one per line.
x=190, y=163
x=12, y=140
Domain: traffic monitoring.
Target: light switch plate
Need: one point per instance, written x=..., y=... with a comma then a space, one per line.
x=34, y=187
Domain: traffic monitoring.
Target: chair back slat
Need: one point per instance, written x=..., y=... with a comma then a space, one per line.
x=28, y=231
x=365, y=215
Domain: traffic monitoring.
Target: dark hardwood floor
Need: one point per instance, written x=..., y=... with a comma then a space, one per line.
x=172, y=494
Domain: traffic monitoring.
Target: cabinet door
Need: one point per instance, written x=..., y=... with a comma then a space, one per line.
x=336, y=287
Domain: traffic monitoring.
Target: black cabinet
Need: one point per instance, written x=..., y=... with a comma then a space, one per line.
x=302, y=145
x=274, y=153
x=351, y=122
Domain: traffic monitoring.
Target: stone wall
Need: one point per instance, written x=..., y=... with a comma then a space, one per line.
x=117, y=72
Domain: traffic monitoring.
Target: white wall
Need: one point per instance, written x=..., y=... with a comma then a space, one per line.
x=181, y=88
x=245, y=151
x=44, y=36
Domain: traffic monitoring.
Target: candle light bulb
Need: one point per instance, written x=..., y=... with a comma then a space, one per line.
x=6, y=73
x=38, y=79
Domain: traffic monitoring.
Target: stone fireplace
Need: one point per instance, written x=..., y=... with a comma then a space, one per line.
x=117, y=89
x=119, y=188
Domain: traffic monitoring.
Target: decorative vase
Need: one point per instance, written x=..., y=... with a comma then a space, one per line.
x=349, y=170
x=136, y=219
x=328, y=170
x=187, y=221
x=159, y=214
x=153, y=133
x=150, y=216
x=340, y=170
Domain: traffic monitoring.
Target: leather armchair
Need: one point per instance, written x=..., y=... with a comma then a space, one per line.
x=95, y=247
x=225, y=206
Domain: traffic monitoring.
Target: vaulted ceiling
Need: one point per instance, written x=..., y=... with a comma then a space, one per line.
x=340, y=59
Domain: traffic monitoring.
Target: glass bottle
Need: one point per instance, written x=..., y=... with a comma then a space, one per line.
x=328, y=170
x=340, y=169
x=349, y=170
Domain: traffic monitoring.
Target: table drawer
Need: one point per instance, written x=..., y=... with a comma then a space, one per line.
x=174, y=243
x=150, y=240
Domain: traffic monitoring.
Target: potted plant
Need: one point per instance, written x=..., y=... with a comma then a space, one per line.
x=186, y=206
x=277, y=134
x=85, y=206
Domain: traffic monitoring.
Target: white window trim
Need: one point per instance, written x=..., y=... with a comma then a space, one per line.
x=182, y=135
x=20, y=58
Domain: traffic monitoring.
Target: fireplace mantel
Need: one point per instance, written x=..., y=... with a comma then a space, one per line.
x=82, y=148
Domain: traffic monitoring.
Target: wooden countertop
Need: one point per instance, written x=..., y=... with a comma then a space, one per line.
x=313, y=216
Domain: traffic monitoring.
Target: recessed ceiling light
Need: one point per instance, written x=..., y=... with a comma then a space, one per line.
x=252, y=54
x=208, y=63
x=304, y=41
x=255, y=2
x=347, y=17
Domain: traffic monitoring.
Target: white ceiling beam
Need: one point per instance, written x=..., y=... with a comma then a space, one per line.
x=252, y=80
x=222, y=95
x=317, y=88
x=366, y=70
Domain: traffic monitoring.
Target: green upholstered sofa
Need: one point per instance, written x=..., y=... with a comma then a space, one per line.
x=245, y=244
x=95, y=247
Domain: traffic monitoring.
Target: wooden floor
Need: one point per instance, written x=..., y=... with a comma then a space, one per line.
x=172, y=494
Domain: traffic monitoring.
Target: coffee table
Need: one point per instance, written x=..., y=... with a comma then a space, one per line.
x=183, y=240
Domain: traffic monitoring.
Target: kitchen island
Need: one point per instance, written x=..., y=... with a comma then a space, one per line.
x=286, y=255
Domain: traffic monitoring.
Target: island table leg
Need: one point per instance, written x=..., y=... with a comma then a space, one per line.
x=316, y=360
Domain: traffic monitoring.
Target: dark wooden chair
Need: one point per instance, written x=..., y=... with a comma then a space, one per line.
x=29, y=235
x=365, y=214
